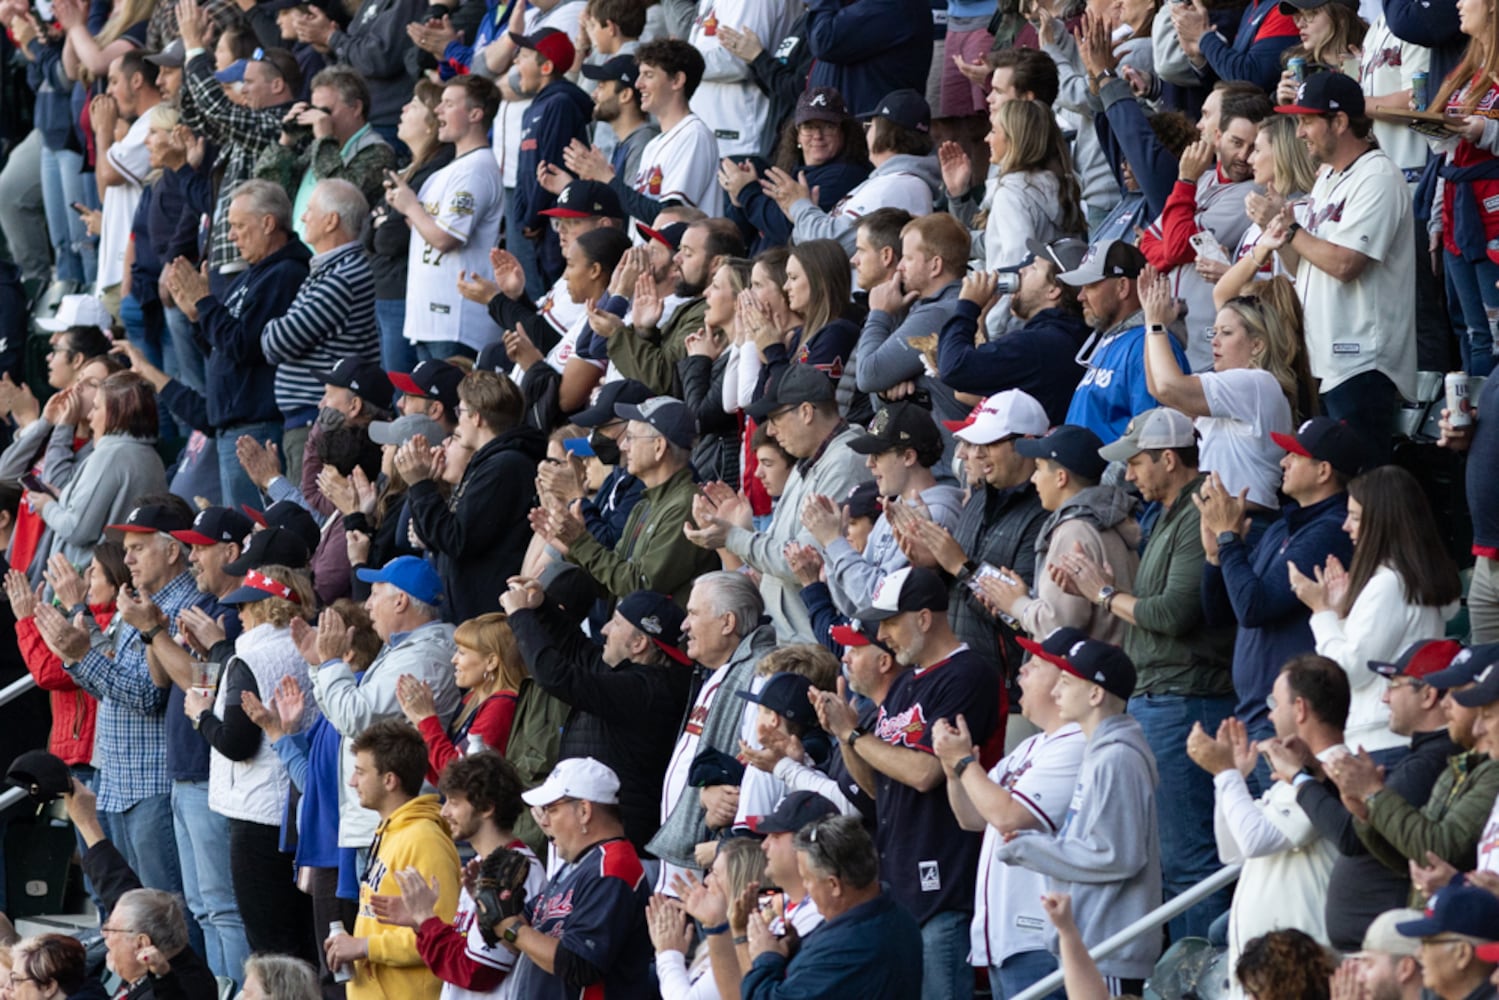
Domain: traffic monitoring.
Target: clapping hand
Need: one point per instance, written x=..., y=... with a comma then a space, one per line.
x=957, y=170
x=785, y=190
x=65, y=580
x=415, y=696
x=23, y=600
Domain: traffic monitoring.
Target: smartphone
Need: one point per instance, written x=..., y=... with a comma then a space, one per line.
x=772, y=904
x=34, y=483
x=1208, y=247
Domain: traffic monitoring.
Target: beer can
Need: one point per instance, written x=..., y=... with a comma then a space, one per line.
x=1418, y=89
x=1297, y=66
x=1459, y=406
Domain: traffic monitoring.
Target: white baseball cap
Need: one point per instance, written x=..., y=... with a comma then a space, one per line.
x=576, y=778
x=77, y=310
x=1001, y=415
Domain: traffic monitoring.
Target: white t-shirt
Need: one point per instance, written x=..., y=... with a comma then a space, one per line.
x=1007, y=917
x=130, y=158
x=760, y=791
x=1386, y=68
x=682, y=165
x=1369, y=323
x=497, y=956
x=1246, y=406
x=733, y=106
x=465, y=199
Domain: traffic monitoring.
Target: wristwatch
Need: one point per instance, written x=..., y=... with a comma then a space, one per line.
x=852, y=737
x=961, y=766
x=509, y=934
x=1292, y=230
x=1105, y=594
x=150, y=634
x=1227, y=537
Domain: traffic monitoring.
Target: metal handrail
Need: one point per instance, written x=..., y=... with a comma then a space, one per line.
x=1155, y=918
x=10, y=797
x=16, y=688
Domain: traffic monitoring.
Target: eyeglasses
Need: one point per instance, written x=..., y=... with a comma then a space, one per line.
x=778, y=414
x=1406, y=682
x=639, y=437
x=16, y=980
x=106, y=929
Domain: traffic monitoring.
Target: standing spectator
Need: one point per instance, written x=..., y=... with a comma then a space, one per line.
x=389, y=762
x=1287, y=861
x=332, y=317
x=1246, y=579
x=557, y=115
x=929, y=860
x=587, y=927
x=1113, y=881
x=121, y=166
x=616, y=103
x=728, y=100
x=1030, y=789
x=1478, y=441
x=1115, y=387
x=241, y=398
x=469, y=200
x=1265, y=31
x=867, y=946
x=1401, y=586
x=374, y=44
x=1183, y=665
x=1353, y=260
x=1039, y=356
x=869, y=48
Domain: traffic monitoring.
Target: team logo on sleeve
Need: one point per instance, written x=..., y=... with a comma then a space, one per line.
x=654, y=180
x=462, y=203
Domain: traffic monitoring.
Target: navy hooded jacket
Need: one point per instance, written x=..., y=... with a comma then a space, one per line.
x=1039, y=358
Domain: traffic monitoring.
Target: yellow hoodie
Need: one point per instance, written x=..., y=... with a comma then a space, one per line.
x=414, y=836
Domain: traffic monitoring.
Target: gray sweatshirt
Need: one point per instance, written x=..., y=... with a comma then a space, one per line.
x=102, y=490
x=896, y=183
x=1108, y=851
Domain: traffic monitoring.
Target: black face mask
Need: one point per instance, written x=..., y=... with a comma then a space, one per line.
x=605, y=448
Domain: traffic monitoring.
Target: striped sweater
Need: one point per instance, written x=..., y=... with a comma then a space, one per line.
x=332, y=318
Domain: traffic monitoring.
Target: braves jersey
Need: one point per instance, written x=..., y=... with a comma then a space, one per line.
x=682, y=166
x=596, y=910
x=1040, y=774
x=466, y=200
x=730, y=102
x=476, y=953
x=928, y=859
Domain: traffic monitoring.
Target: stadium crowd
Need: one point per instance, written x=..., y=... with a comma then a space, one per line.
x=756, y=498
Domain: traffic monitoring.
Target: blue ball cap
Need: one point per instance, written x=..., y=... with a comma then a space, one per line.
x=410, y=574
x=1457, y=909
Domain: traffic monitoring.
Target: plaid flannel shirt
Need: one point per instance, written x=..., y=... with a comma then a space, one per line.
x=130, y=735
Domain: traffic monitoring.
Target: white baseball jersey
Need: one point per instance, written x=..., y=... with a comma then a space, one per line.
x=466, y=199
x=130, y=158
x=728, y=100
x=682, y=165
x=495, y=956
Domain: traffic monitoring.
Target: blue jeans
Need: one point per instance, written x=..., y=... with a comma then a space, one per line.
x=1184, y=802
x=945, y=972
x=441, y=350
x=235, y=487
x=524, y=250
x=143, y=834
x=203, y=845
x=191, y=362
x=1020, y=972
x=396, y=352
x=1368, y=402
x=1473, y=302
x=64, y=226
x=80, y=186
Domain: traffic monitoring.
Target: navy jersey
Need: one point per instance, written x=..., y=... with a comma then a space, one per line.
x=596, y=909
x=928, y=860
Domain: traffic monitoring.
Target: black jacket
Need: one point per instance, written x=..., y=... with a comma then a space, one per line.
x=189, y=978
x=628, y=716
x=480, y=534
x=716, y=454
x=998, y=527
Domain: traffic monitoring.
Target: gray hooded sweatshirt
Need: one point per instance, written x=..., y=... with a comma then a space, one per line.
x=1108, y=852
x=896, y=183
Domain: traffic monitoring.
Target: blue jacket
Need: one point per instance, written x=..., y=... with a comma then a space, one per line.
x=869, y=48
x=1040, y=357
x=1113, y=389
x=872, y=952
x=241, y=383
x=560, y=113
x=1251, y=586
x=767, y=226
x=1254, y=54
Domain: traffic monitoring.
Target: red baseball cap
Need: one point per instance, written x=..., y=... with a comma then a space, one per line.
x=553, y=46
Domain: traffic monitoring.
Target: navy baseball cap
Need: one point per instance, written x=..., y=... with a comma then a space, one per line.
x=1484, y=692
x=214, y=525
x=622, y=69
x=552, y=45
x=670, y=235
x=586, y=200
x=492, y=358
x=1072, y=447
x=411, y=574
x=794, y=811
x=611, y=394
x=856, y=633
x=271, y=547
x=1465, y=667
x=365, y=379
x=660, y=618
x=911, y=588
x=290, y=515
x=431, y=380
x=1326, y=94
x=668, y=416
x=256, y=586
x=714, y=767
x=901, y=425
x=786, y=696
x=799, y=383
x=821, y=104
x=1089, y=659
x=148, y=519
x=906, y=108
x=1457, y=909
x=1420, y=660
x=864, y=501
x=1324, y=439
